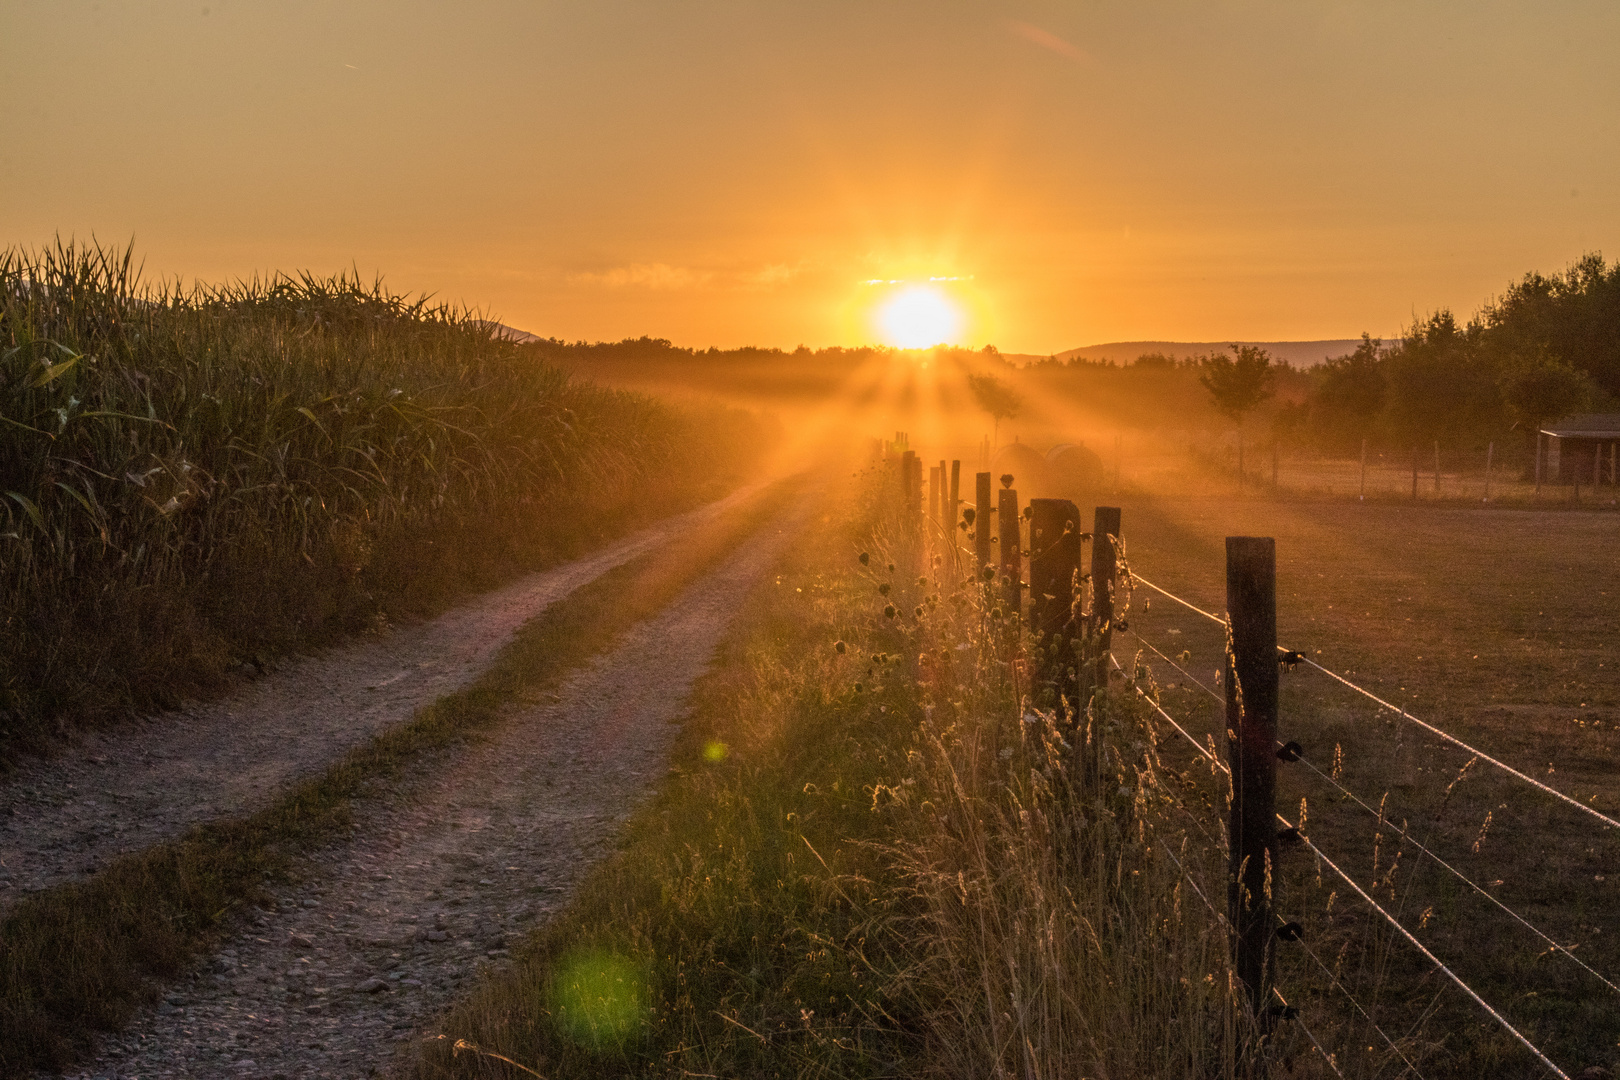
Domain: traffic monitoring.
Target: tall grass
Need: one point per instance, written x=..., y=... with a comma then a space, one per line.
x=875, y=858
x=193, y=478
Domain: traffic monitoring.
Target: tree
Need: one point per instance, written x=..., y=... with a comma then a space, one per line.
x=996, y=398
x=1238, y=383
x=1540, y=388
x=1350, y=391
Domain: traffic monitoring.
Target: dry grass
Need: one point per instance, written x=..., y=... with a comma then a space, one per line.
x=82, y=958
x=1496, y=625
x=869, y=863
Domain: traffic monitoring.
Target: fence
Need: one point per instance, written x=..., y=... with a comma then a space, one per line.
x=1073, y=658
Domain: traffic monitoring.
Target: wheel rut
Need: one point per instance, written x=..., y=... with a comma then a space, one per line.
x=444, y=874
x=117, y=792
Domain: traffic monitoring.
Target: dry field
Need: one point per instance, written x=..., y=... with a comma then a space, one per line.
x=1496, y=625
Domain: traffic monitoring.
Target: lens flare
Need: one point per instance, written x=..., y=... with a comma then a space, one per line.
x=919, y=316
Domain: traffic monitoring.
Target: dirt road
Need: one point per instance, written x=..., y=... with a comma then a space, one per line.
x=125, y=790
x=467, y=853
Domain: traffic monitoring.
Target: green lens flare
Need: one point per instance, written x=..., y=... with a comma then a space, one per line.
x=600, y=997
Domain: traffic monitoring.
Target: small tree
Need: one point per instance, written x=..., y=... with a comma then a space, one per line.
x=1540, y=388
x=1238, y=383
x=996, y=398
x=1350, y=392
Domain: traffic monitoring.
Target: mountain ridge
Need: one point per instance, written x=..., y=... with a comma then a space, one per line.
x=1298, y=353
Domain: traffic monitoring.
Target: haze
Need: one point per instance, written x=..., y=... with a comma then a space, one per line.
x=729, y=174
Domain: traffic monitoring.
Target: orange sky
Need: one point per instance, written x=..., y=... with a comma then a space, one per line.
x=729, y=173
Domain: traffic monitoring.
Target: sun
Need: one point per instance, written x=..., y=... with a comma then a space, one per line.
x=918, y=316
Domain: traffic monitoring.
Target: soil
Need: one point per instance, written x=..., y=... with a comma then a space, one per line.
x=120, y=791
x=441, y=876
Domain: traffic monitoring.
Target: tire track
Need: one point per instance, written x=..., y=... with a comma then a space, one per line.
x=438, y=880
x=118, y=792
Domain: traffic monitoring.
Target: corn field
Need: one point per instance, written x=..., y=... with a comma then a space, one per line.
x=196, y=478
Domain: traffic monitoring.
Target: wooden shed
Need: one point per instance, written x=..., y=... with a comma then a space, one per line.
x=1581, y=448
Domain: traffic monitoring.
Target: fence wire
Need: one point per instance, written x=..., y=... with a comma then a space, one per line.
x=1439, y=966
x=1552, y=944
x=1296, y=656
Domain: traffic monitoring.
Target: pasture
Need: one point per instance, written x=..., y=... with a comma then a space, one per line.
x=1495, y=625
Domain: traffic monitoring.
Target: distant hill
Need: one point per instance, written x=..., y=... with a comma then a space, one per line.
x=1298, y=353
x=511, y=333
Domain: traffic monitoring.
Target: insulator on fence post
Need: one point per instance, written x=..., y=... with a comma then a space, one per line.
x=1251, y=721
x=1054, y=559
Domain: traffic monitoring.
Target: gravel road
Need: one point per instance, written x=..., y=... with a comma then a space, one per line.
x=63, y=817
x=441, y=876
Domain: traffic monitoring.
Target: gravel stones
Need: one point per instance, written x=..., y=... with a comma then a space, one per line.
x=340, y=987
x=127, y=789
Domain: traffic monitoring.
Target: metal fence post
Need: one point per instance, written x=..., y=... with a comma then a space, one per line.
x=1251, y=722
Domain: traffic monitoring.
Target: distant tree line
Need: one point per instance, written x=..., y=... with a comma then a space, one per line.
x=1547, y=347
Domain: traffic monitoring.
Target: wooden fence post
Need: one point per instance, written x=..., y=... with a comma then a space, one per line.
x=908, y=486
x=1011, y=562
x=1251, y=722
x=956, y=493
x=1490, y=454
x=914, y=511
x=1054, y=562
x=933, y=495
x=981, y=524
x=1538, y=464
x=1104, y=567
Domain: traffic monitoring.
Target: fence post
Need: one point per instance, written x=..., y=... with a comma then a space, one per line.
x=1011, y=563
x=908, y=486
x=1104, y=565
x=1538, y=464
x=1490, y=453
x=956, y=493
x=1054, y=561
x=914, y=511
x=933, y=495
x=981, y=524
x=1251, y=722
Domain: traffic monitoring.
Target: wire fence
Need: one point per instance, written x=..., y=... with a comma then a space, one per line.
x=1148, y=691
x=1057, y=611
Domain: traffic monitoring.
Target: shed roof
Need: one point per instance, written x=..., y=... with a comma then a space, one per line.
x=1586, y=426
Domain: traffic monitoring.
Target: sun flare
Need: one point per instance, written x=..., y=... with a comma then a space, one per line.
x=918, y=316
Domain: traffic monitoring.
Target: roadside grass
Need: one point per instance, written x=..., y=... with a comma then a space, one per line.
x=83, y=958
x=195, y=480
x=871, y=858
x=1495, y=625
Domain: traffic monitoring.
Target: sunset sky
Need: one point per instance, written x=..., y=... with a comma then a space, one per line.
x=739, y=173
